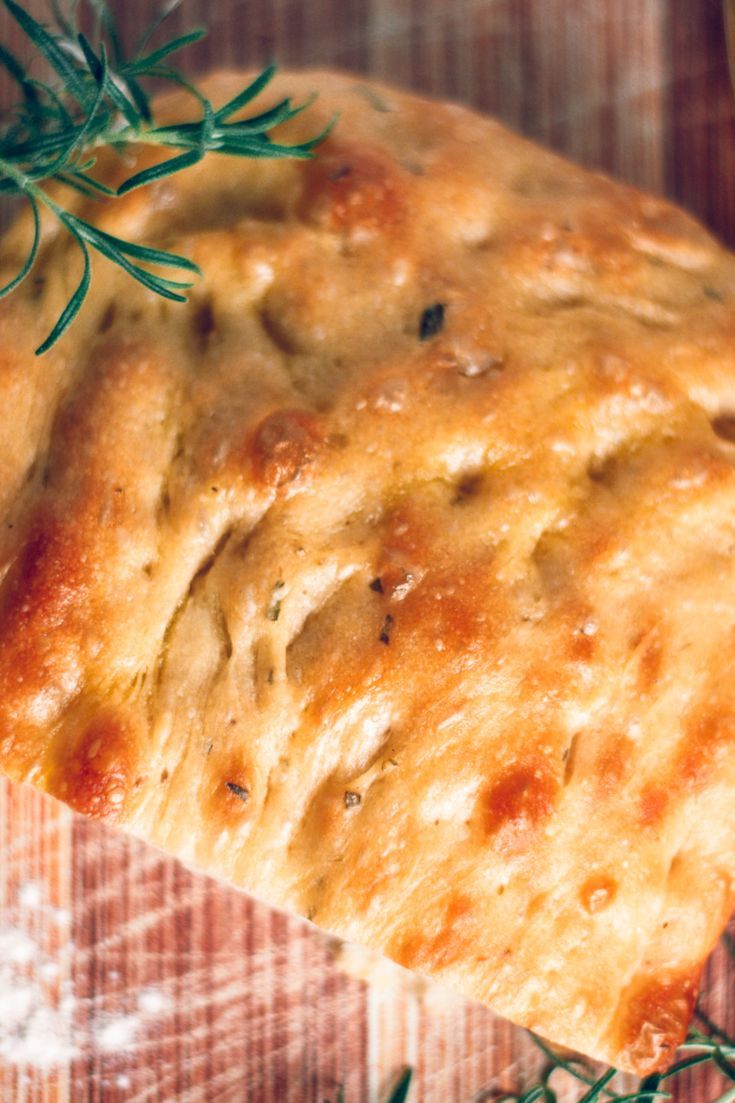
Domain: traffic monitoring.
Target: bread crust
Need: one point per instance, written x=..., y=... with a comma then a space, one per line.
x=392, y=579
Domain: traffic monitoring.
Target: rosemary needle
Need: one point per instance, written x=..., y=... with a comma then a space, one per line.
x=96, y=97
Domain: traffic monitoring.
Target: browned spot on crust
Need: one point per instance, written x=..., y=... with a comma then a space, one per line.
x=512, y=808
x=649, y=668
x=48, y=576
x=351, y=188
x=444, y=611
x=613, y=764
x=598, y=892
x=654, y=803
x=406, y=552
x=97, y=777
x=284, y=444
x=708, y=734
x=655, y=1015
x=445, y=616
x=441, y=618
x=231, y=791
x=582, y=646
x=700, y=467
x=647, y=645
x=538, y=904
x=434, y=951
x=40, y=617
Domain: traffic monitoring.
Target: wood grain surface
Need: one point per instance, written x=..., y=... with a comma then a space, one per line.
x=124, y=976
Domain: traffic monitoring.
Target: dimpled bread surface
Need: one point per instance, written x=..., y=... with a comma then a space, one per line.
x=392, y=578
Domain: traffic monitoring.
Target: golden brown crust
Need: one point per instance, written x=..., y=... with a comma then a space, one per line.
x=393, y=578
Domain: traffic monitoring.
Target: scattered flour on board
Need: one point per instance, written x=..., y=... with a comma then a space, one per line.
x=40, y=1024
x=120, y=1031
x=36, y=1013
x=116, y=1032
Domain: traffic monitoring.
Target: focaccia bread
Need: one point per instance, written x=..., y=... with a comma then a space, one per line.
x=393, y=577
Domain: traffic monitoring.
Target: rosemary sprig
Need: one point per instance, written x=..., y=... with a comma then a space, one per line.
x=399, y=1092
x=401, y=1088
x=704, y=1050
x=715, y=1049
x=97, y=97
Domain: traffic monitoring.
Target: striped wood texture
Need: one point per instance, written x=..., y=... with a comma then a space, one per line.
x=247, y=1004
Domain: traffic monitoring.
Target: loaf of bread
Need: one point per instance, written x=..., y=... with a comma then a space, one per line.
x=392, y=578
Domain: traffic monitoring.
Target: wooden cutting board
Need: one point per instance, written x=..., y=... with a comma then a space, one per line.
x=124, y=976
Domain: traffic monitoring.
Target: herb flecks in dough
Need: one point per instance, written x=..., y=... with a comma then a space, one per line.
x=273, y=611
x=432, y=321
x=239, y=791
x=96, y=99
x=385, y=631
